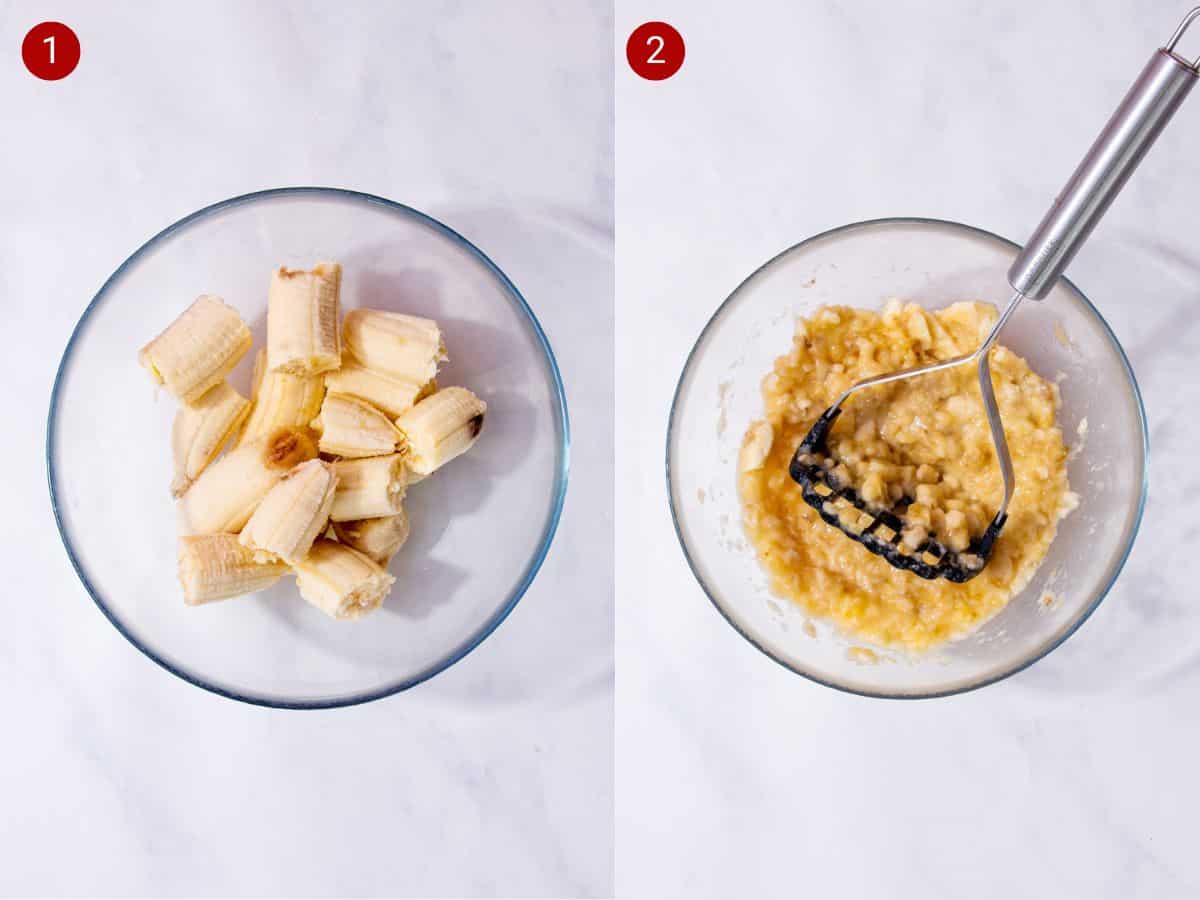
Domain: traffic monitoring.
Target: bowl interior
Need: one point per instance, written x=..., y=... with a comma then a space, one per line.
x=935, y=264
x=480, y=527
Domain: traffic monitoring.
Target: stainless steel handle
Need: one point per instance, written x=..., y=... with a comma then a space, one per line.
x=1133, y=128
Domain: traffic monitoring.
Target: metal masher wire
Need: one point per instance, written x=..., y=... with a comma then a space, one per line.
x=991, y=408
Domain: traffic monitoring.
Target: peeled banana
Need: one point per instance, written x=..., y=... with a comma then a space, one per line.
x=225, y=495
x=368, y=488
x=390, y=394
x=375, y=415
x=293, y=512
x=201, y=429
x=216, y=567
x=280, y=400
x=378, y=538
x=198, y=349
x=302, y=320
x=340, y=581
x=439, y=428
x=349, y=427
x=405, y=347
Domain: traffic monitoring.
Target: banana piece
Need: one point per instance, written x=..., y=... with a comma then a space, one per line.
x=349, y=427
x=227, y=492
x=201, y=430
x=302, y=320
x=198, y=349
x=216, y=567
x=293, y=513
x=378, y=538
x=406, y=347
x=280, y=400
x=391, y=394
x=368, y=488
x=439, y=428
x=340, y=581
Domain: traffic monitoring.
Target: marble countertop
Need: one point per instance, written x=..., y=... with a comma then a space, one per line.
x=1073, y=779
x=496, y=777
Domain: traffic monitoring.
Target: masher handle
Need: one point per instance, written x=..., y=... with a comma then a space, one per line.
x=1133, y=128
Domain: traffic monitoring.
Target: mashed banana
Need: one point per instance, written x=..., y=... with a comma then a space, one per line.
x=925, y=439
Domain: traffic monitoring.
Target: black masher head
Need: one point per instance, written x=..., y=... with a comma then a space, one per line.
x=879, y=529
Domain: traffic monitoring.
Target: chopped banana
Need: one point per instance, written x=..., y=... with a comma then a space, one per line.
x=349, y=427
x=202, y=429
x=390, y=394
x=280, y=400
x=322, y=453
x=406, y=347
x=340, y=581
x=198, y=349
x=378, y=538
x=439, y=428
x=217, y=567
x=302, y=320
x=293, y=512
x=225, y=495
x=368, y=488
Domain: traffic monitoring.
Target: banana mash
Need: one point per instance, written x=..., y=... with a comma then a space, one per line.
x=925, y=439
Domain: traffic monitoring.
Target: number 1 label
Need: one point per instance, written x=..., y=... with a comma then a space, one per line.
x=50, y=51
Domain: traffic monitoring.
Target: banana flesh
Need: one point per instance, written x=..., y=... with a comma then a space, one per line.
x=405, y=347
x=280, y=400
x=351, y=428
x=217, y=567
x=340, y=581
x=377, y=417
x=198, y=349
x=225, y=495
x=368, y=488
x=293, y=513
x=302, y=320
x=390, y=394
x=378, y=538
x=439, y=428
x=201, y=430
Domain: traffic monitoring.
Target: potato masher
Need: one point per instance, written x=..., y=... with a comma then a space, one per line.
x=1147, y=107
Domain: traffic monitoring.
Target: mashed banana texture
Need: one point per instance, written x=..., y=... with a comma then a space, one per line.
x=925, y=439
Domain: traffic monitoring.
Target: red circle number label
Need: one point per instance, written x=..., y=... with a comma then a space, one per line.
x=50, y=51
x=655, y=51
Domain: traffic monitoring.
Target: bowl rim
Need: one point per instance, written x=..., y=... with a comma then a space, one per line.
x=1002, y=673
x=558, y=491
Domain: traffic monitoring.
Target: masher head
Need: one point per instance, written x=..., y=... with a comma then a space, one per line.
x=881, y=530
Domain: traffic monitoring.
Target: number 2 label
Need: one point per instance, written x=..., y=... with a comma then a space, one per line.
x=653, y=59
x=655, y=51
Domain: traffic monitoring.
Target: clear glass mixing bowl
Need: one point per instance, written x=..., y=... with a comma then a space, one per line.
x=480, y=529
x=934, y=263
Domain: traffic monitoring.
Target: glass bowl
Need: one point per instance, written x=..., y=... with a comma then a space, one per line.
x=933, y=263
x=480, y=529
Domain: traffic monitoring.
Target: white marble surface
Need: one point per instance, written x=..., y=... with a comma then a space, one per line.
x=1074, y=779
x=496, y=777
